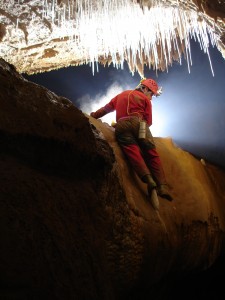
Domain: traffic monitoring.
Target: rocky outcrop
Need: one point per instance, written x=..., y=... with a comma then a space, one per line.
x=75, y=219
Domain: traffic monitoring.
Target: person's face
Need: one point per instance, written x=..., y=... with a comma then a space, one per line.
x=148, y=93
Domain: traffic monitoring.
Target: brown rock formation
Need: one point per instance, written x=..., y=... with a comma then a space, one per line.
x=75, y=220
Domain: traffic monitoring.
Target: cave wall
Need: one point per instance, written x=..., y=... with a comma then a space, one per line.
x=76, y=222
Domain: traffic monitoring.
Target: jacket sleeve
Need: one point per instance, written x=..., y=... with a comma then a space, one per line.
x=148, y=113
x=109, y=107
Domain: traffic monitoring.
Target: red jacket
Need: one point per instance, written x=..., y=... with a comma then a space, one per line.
x=131, y=103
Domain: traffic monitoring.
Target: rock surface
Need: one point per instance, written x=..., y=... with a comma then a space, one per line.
x=75, y=219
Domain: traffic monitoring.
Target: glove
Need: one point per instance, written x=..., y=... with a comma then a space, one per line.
x=99, y=113
x=113, y=124
x=93, y=115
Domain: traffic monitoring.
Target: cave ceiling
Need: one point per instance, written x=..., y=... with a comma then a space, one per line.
x=41, y=35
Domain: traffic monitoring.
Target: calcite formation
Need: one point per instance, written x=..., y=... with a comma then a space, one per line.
x=38, y=36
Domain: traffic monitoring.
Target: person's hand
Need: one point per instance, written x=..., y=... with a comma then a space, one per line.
x=93, y=115
x=113, y=124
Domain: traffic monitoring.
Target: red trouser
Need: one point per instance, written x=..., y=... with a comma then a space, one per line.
x=141, y=153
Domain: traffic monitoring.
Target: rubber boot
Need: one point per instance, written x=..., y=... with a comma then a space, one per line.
x=154, y=199
x=151, y=185
x=150, y=182
x=163, y=191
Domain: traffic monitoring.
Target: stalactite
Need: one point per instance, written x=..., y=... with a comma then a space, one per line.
x=150, y=31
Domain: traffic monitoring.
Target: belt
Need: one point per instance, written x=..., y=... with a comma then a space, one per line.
x=129, y=117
